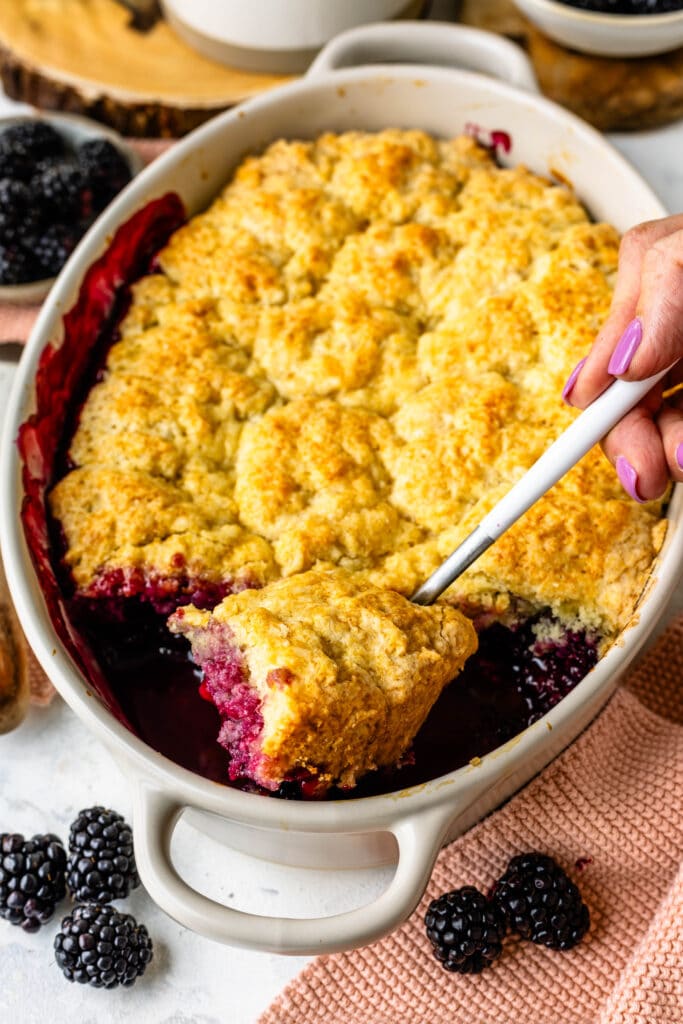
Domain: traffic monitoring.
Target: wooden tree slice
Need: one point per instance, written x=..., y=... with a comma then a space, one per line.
x=612, y=94
x=87, y=56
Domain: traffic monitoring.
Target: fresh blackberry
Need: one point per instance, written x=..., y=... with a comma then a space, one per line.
x=23, y=144
x=105, y=169
x=547, y=666
x=52, y=247
x=31, y=879
x=17, y=213
x=101, y=864
x=60, y=191
x=15, y=199
x=17, y=265
x=540, y=902
x=33, y=138
x=99, y=946
x=465, y=929
x=14, y=165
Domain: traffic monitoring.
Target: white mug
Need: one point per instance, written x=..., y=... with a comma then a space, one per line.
x=277, y=36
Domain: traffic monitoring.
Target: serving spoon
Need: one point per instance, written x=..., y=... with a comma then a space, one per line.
x=587, y=430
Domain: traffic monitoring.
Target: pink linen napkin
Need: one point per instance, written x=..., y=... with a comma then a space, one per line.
x=609, y=811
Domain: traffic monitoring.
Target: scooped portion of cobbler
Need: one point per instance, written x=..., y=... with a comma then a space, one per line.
x=320, y=677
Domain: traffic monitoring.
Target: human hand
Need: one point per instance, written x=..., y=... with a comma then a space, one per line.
x=642, y=335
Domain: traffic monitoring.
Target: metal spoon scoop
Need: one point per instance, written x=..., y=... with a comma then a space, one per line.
x=587, y=430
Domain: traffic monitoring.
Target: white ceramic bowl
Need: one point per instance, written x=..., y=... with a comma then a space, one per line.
x=75, y=130
x=605, y=35
x=274, y=35
x=409, y=827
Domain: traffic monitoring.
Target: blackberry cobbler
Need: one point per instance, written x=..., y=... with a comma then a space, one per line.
x=321, y=386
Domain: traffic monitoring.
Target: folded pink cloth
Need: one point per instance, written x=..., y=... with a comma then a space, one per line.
x=609, y=811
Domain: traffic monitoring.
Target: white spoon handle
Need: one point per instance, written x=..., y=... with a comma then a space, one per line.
x=587, y=430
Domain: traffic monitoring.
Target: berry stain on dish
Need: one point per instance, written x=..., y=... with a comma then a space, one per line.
x=494, y=140
x=51, y=190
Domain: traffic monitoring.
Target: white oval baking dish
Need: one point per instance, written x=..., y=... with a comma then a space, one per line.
x=407, y=827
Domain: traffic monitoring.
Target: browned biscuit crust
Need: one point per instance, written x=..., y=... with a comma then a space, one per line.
x=345, y=360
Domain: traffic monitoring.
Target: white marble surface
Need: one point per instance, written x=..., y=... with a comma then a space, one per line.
x=53, y=766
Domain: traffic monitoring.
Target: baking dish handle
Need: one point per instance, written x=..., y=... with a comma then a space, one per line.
x=419, y=839
x=424, y=42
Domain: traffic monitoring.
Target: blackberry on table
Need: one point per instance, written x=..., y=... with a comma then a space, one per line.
x=101, y=865
x=465, y=929
x=541, y=903
x=101, y=947
x=52, y=247
x=105, y=169
x=31, y=879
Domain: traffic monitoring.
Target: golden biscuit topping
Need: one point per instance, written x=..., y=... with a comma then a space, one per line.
x=346, y=360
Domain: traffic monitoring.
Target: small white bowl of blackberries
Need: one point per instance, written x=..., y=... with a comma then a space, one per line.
x=57, y=174
x=609, y=28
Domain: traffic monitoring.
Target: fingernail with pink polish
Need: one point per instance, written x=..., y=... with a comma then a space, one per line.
x=571, y=379
x=679, y=456
x=628, y=478
x=627, y=346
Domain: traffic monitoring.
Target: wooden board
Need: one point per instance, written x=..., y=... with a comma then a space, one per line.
x=612, y=94
x=88, y=57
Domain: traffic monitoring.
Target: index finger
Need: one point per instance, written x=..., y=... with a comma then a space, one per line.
x=594, y=377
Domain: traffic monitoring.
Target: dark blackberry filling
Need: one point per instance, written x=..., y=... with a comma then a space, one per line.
x=543, y=663
x=512, y=680
x=155, y=686
x=163, y=593
x=226, y=685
